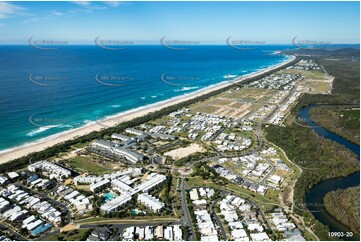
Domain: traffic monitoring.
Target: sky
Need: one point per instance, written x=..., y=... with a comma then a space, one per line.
x=205, y=22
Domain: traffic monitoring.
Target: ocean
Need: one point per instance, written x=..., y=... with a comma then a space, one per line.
x=44, y=93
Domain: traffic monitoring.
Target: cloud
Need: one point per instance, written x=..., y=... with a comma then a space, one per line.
x=112, y=3
x=86, y=7
x=82, y=3
x=57, y=13
x=32, y=20
x=8, y=9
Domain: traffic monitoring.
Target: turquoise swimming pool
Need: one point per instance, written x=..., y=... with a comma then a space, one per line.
x=109, y=196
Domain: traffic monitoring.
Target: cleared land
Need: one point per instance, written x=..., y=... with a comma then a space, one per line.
x=316, y=81
x=236, y=103
x=185, y=151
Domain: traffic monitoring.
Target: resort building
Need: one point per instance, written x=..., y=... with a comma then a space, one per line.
x=114, y=204
x=95, y=187
x=134, y=131
x=150, y=202
x=120, y=137
x=152, y=180
x=55, y=171
x=108, y=146
x=130, y=155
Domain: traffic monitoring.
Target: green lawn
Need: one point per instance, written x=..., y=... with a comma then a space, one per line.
x=76, y=235
x=132, y=220
x=83, y=163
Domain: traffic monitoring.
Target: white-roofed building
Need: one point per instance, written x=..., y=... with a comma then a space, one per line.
x=177, y=233
x=99, y=185
x=260, y=237
x=128, y=234
x=114, y=204
x=150, y=202
x=152, y=180
x=121, y=186
x=193, y=194
x=55, y=171
x=13, y=175
x=3, y=180
x=168, y=233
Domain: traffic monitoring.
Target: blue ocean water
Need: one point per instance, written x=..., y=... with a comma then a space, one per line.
x=47, y=92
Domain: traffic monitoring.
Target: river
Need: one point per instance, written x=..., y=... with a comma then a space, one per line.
x=314, y=197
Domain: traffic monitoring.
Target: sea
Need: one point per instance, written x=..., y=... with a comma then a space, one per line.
x=45, y=93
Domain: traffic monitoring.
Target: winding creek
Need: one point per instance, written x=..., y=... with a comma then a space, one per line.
x=314, y=197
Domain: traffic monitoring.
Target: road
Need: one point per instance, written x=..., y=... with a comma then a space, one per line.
x=263, y=218
x=186, y=216
x=13, y=233
x=220, y=225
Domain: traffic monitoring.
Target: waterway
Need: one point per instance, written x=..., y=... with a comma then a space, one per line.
x=314, y=197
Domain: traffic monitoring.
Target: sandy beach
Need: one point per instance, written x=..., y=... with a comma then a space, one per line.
x=122, y=117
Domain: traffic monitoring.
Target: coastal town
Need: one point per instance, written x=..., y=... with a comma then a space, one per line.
x=204, y=172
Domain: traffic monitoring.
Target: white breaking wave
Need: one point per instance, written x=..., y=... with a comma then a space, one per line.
x=229, y=76
x=115, y=106
x=185, y=89
x=40, y=130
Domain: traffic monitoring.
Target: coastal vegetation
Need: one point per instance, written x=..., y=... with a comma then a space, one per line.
x=344, y=205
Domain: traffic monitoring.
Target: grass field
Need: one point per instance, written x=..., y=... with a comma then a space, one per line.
x=84, y=164
x=134, y=220
x=76, y=235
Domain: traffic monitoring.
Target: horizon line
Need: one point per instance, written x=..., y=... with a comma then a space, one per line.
x=155, y=44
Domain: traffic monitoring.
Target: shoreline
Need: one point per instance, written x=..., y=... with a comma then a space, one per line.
x=41, y=144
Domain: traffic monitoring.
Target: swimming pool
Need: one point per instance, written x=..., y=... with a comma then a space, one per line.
x=109, y=196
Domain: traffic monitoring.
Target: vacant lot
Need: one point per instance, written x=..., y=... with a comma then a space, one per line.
x=184, y=152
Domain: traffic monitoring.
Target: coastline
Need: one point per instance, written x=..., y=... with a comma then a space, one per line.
x=17, y=152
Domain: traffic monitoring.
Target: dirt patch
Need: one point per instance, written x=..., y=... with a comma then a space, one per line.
x=185, y=151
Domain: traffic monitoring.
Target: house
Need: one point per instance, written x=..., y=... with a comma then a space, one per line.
x=99, y=234
x=275, y=179
x=177, y=231
x=128, y=234
x=3, y=180
x=193, y=194
x=13, y=175
x=168, y=233
x=200, y=204
x=159, y=232
x=260, y=237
